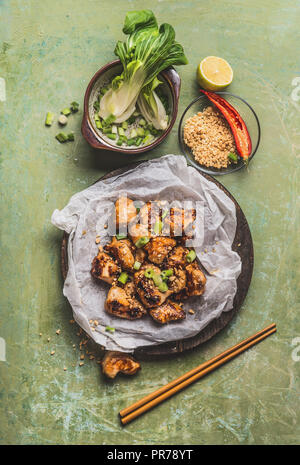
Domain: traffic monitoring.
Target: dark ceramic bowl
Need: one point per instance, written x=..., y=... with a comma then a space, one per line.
x=246, y=112
x=95, y=137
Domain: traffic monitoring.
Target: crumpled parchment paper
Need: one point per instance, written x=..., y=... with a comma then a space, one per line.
x=87, y=212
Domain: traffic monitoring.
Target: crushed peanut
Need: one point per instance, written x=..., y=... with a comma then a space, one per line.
x=210, y=138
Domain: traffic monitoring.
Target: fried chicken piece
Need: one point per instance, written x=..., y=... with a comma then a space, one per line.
x=177, y=257
x=196, y=280
x=168, y=311
x=125, y=211
x=140, y=255
x=179, y=222
x=178, y=281
x=149, y=294
x=104, y=268
x=118, y=362
x=121, y=302
x=150, y=214
x=122, y=250
x=158, y=248
x=137, y=231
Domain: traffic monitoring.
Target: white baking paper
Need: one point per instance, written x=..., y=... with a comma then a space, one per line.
x=168, y=178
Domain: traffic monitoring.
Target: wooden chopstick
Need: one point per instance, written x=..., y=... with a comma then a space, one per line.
x=133, y=411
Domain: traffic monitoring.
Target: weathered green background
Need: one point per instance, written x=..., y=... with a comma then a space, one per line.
x=49, y=51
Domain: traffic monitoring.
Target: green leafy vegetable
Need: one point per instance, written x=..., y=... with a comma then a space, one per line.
x=147, y=51
x=152, y=107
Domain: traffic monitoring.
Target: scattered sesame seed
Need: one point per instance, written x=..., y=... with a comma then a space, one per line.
x=48, y=339
x=91, y=322
x=81, y=363
x=105, y=226
x=82, y=357
x=65, y=369
x=58, y=331
x=96, y=323
x=97, y=240
x=93, y=329
x=72, y=322
x=191, y=311
x=53, y=352
x=41, y=334
x=83, y=232
x=239, y=244
x=213, y=249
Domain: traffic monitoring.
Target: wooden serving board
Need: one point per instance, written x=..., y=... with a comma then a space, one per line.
x=242, y=244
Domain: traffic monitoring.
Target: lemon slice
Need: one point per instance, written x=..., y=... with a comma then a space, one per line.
x=214, y=73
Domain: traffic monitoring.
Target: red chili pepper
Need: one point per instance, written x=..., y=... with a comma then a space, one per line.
x=236, y=123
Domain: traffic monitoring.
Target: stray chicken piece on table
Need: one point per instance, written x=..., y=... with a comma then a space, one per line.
x=105, y=268
x=168, y=311
x=119, y=362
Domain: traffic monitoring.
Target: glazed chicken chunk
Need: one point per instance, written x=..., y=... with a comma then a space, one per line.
x=177, y=257
x=168, y=311
x=125, y=211
x=179, y=222
x=148, y=293
x=123, y=251
x=196, y=280
x=105, y=268
x=119, y=362
x=158, y=248
x=123, y=303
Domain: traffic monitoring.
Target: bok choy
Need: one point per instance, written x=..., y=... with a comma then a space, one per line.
x=147, y=51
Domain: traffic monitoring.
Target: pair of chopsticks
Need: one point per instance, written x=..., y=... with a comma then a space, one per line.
x=151, y=400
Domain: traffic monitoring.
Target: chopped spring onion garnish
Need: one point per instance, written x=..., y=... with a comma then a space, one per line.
x=164, y=214
x=158, y=227
x=163, y=287
x=61, y=137
x=123, y=277
x=149, y=273
x=157, y=279
x=110, y=329
x=121, y=236
x=165, y=274
x=191, y=256
x=66, y=111
x=233, y=157
x=111, y=136
x=137, y=265
x=142, y=241
x=71, y=136
x=49, y=118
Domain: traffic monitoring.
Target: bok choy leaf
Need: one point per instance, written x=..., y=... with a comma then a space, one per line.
x=146, y=52
x=152, y=107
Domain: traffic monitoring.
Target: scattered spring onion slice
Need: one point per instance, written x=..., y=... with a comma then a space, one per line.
x=61, y=137
x=157, y=279
x=74, y=107
x=191, y=256
x=233, y=157
x=142, y=241
x=165, y=274
x=49, y=119
x=121, y=236
x=137, y=265
x=110, y=329
x=149, y=273
x=71, y=136
x=123, y=277
x=66, y=111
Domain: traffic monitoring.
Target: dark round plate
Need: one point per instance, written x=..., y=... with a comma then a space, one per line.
x=242, y=244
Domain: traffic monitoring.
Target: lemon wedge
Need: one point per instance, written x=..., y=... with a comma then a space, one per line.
x=214, y=73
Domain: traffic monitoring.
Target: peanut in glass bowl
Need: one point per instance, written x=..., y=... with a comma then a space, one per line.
x=246, y=112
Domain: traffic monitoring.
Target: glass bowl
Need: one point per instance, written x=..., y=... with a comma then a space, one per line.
x=246, y=112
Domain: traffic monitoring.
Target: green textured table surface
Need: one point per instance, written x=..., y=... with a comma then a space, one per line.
x=48, y=52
